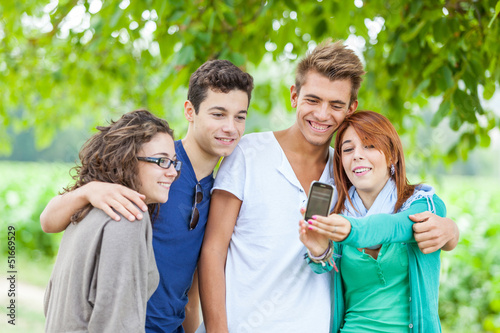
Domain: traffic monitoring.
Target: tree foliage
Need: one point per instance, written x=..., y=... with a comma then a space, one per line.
x=68, y=60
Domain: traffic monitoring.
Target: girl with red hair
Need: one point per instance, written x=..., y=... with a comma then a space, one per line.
x=383, y=282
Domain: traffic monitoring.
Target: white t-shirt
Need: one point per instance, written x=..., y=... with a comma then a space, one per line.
x=269, y=287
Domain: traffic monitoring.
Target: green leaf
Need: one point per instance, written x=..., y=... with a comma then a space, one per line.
x=497, y=11
x=415, y=7
x=237, y=58
x=317, y=11
x=231, y=18
x=470, y=79
x=436, y=63
x=455, y=120
x=448, y=76
x=442, y=112
x=421, y=87
x=476, y=67
x=465, y=105
x=489, y=89
x=411, y=34
x=291, y=4
x=115, y=18
x=320, y=28
x=452, y=154
x=398, y=53
x=177, y=15
x=161, y=10
x=484, y=140
x=441, y=30
x=204, y=37
x=185, y=55
x=211, y=21
x=445, y=78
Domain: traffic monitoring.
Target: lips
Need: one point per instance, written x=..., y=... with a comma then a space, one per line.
x=360, y=171
x=318, y=127
x=225, y=141
x=164, y=184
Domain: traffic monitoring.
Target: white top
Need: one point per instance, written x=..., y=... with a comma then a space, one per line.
x=269, y=287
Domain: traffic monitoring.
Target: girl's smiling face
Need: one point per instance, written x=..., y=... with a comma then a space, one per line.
x=155, y=181
x=365, y=166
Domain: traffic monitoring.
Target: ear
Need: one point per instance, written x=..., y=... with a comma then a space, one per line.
x=352, y=108
x=189, y=112
x=294, y=96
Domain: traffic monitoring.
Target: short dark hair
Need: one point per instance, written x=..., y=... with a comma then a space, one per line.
x=336, y=62
x=219, y=76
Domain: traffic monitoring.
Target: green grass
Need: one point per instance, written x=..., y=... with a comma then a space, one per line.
x=28, y=319
x=25, y=189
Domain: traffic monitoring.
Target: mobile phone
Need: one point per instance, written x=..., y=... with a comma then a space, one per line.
x=319, y=200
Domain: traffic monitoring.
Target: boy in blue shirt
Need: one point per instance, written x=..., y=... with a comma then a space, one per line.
x=218, y=99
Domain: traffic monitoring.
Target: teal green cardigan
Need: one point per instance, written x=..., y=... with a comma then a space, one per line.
x=423, y=268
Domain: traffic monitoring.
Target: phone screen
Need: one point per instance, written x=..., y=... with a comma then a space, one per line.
x=320, y=197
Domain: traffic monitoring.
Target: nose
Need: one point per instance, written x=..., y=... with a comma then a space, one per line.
x=229, y=126
x=322, y=112
x=171, y=172
x=358, y=153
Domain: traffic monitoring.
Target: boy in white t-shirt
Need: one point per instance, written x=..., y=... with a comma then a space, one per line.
x=252, y=274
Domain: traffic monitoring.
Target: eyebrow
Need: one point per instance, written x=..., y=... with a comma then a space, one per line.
x=346, y=141
x=221, y=108
x=166, y=155
x=337, y=101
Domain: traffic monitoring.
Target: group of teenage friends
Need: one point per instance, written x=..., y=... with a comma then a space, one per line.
x=142, y=205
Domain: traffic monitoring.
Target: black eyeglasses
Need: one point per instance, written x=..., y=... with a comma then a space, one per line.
x=195, y=215
x=164, y=162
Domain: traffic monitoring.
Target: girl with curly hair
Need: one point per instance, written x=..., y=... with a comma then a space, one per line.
x=105, y=270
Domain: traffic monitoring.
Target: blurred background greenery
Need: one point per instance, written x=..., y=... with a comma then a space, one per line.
x=433, y=68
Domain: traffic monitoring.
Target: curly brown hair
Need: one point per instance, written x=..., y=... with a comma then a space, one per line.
x=111, y=154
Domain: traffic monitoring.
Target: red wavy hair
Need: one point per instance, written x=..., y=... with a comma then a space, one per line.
x=373, y=129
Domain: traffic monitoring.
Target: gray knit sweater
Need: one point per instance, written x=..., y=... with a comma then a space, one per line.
x=104, y=274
